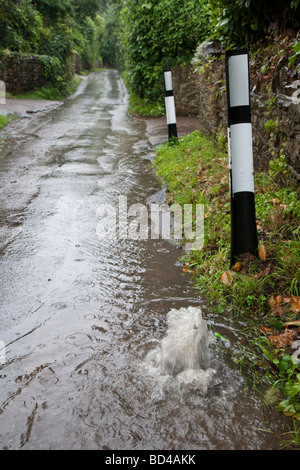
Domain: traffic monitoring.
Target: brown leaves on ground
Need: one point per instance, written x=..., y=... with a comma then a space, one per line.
x=277, y=201
x=262, y=252
x=279, y=304
x=226, y=278
x=238, y=265
x=295, y=304
x=186, y=269
x=286, y=339
x=281, y=340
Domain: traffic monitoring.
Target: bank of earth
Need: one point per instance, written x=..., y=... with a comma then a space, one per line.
x=261, y=290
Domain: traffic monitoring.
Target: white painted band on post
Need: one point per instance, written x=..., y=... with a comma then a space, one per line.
x=168, y=80
x=239, y=80
x=170, y=109
x=241, y=158
x=2, y=92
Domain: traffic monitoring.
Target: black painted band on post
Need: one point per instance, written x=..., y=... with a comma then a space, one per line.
x=170, y=104
x=169, y=93
x=243, y=225
x=243, y=219
x=239, y=114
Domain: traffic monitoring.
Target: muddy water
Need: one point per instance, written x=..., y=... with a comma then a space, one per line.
x=80, y=315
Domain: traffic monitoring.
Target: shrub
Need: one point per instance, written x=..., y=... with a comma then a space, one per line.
x=157, y=34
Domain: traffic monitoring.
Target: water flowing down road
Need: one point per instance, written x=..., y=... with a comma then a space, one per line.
x=81, y=315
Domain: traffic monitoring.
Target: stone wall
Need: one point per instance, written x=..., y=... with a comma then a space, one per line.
x=275, y=117
x=21, y=72
x=28, y=72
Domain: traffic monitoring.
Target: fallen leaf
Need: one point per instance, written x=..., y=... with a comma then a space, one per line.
x=295, y=300
x=271, y=396
x=262, y=252
x=274, y=302
x=247, y=257
x=277, y=311
x=295, y=308
x=202, y=177
x=265, y=330
x=283, y=340
x=266, y=271
x=275, y=201
x=226, y=278
x=295, y=304
x=237, y=266
x=292, y=323
x=190, y=271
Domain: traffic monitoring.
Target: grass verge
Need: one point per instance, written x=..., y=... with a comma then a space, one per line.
x=141, y=107
x=264, y=290
x=50, y=92
x=3, y=121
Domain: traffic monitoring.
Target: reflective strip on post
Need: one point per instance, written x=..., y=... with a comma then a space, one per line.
x=170, y=104
x=243, y=219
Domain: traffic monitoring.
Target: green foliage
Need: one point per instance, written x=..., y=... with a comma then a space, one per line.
x=54, y=10
x=86, y=8
x=3, y=121
x=110, y=50
x=278, y=165
x=296, y=56
x=179, y=165
x=237, y=23
x=21, y=26
x=158, y=33
x=52, y=66
x=88, y=39
x=51, y=92
x=56, y=30
x=271, y=126
x=140, y=107
x=287, y=374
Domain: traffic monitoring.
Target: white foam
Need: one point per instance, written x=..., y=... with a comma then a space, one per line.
x=184, y=352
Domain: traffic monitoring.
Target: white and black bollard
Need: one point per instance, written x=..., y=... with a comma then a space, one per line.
x=243, y=219
x=170, y=104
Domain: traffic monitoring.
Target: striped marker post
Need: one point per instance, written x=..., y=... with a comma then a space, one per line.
x=243, y=219
x=170, y=104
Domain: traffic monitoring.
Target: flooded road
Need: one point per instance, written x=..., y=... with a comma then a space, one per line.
x=80, y=314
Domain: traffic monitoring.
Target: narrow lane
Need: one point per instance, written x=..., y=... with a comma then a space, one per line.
x=79, y=314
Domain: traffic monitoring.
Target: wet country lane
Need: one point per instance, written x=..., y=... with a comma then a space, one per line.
x=79, y=314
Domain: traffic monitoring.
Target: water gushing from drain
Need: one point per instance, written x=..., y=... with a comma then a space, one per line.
x=184, y=351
